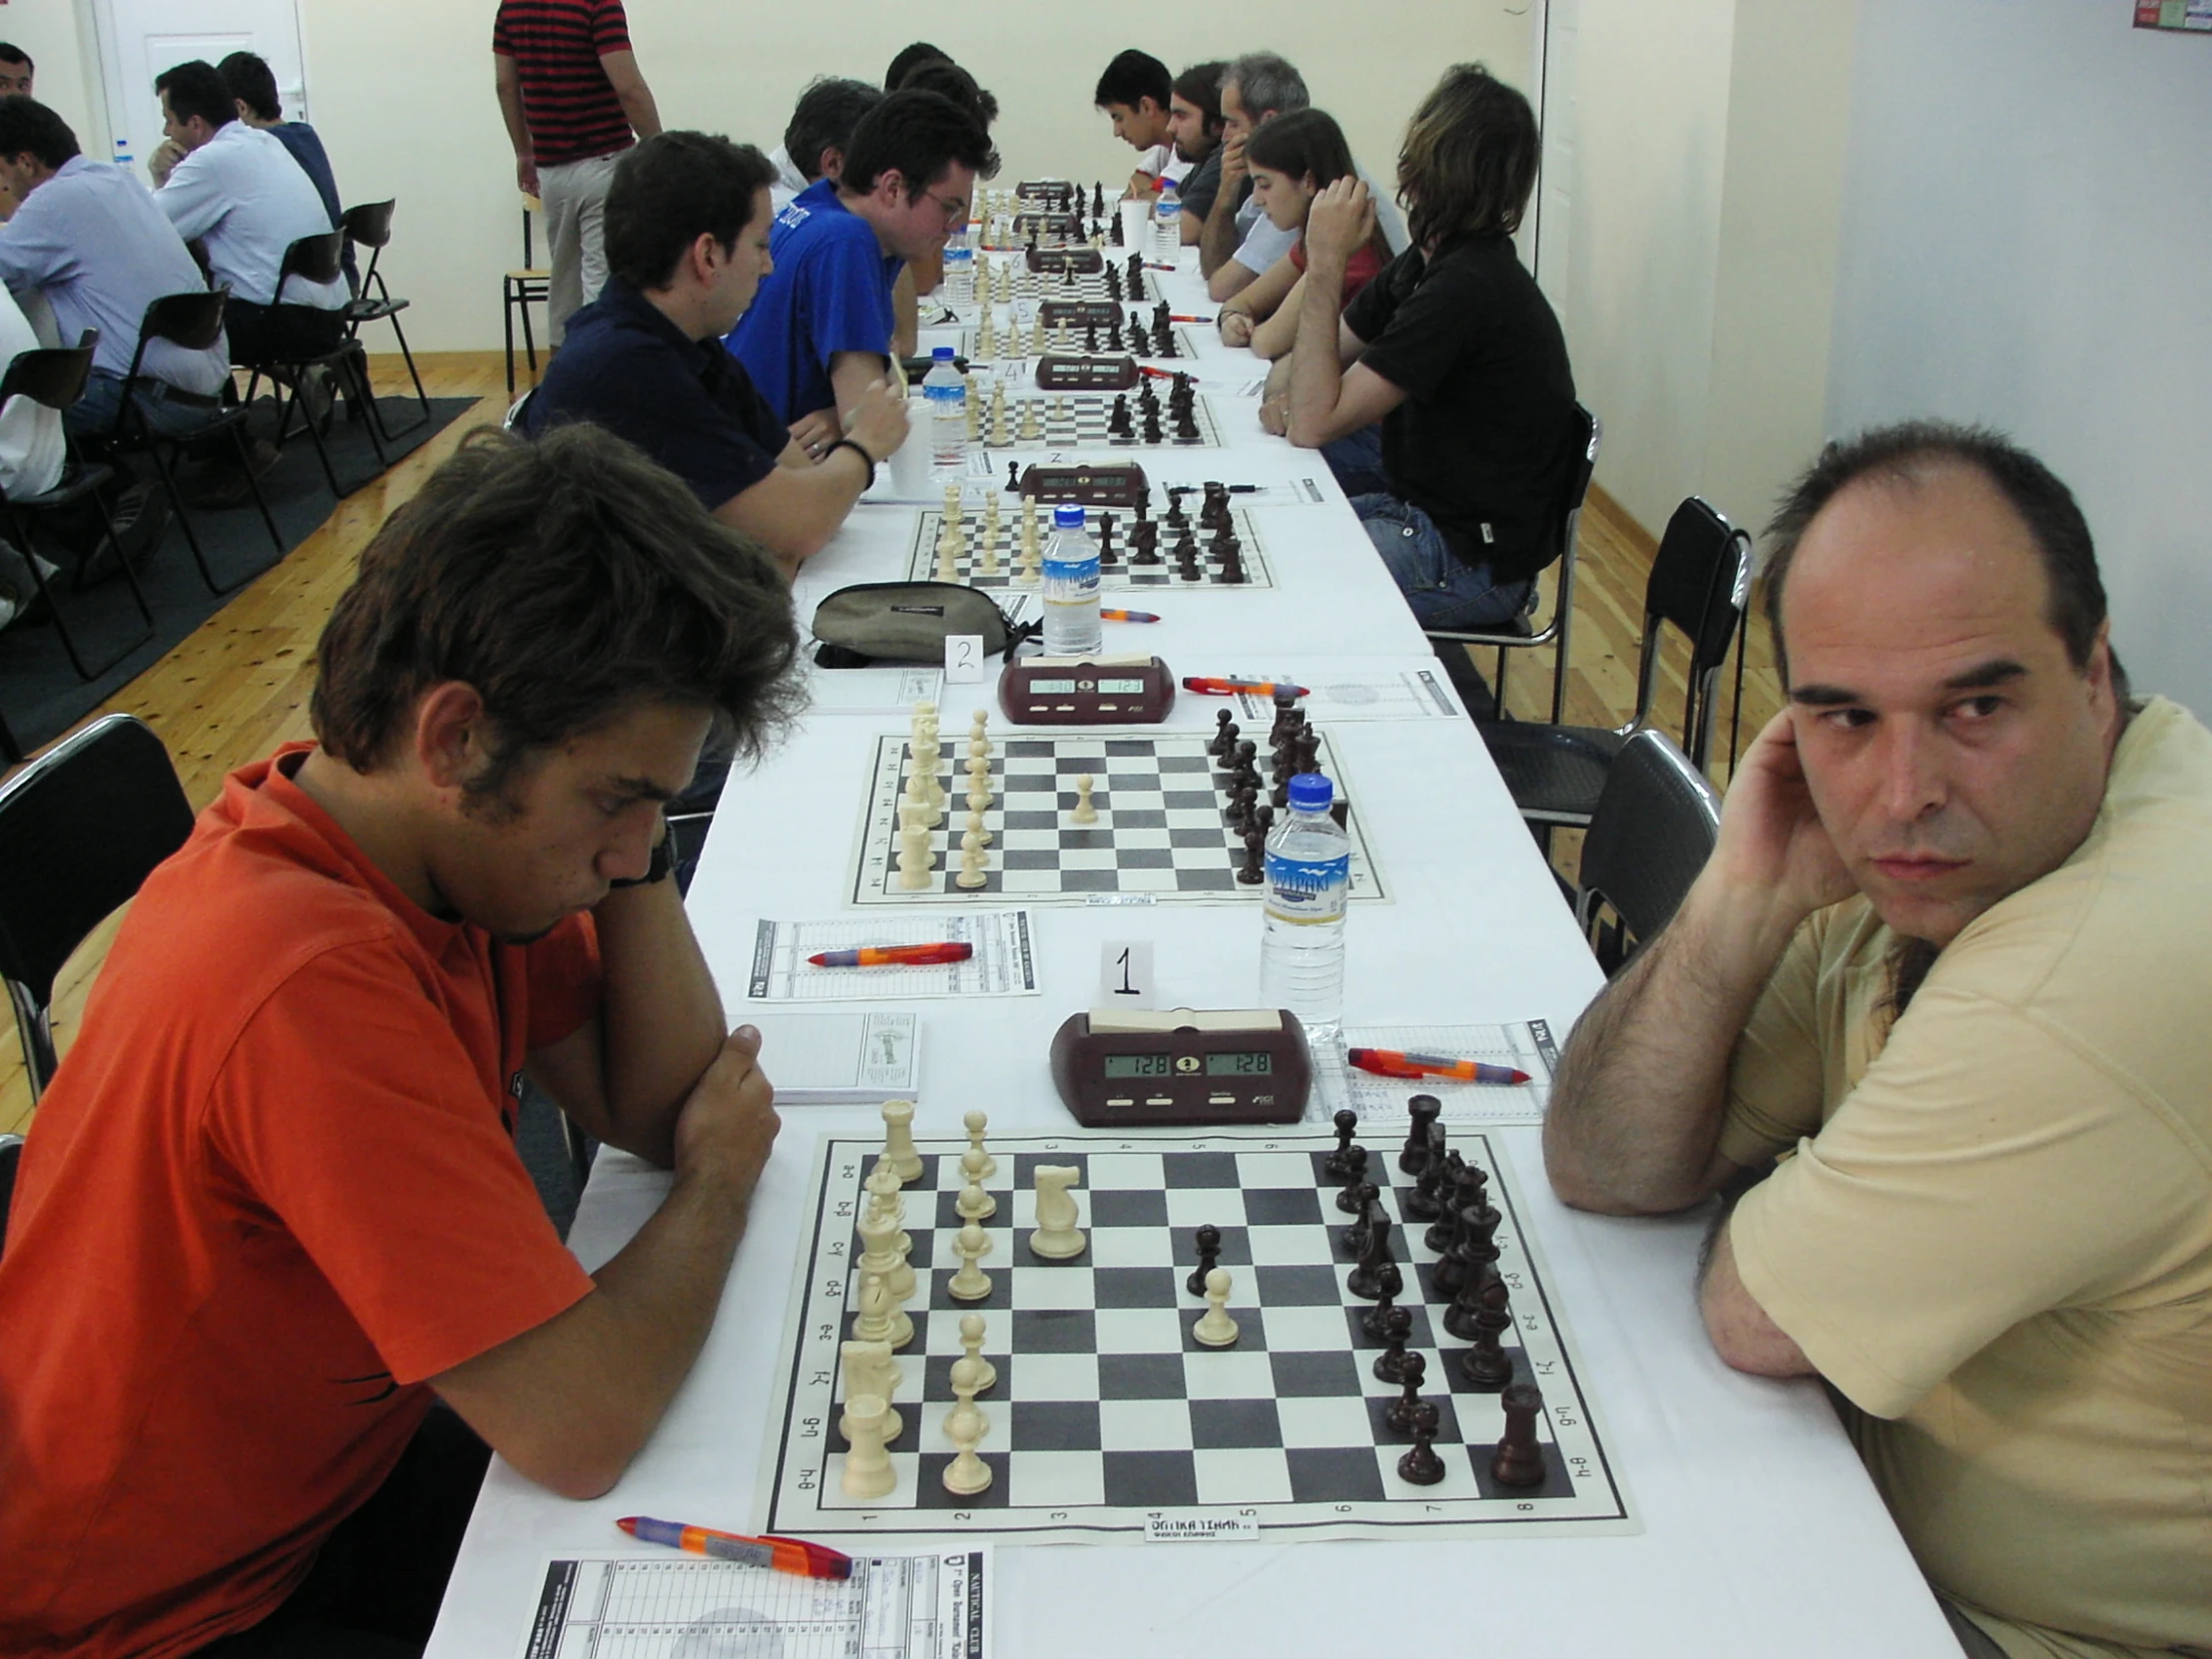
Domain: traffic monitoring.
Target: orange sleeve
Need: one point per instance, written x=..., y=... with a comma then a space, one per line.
x=351, y=1109
x=564, y=978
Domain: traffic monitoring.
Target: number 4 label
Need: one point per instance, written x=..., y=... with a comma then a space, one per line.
x=1125, y=975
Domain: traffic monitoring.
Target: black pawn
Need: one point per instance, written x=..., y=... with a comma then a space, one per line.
x=1254, y=869
x=1346, y=1121
x=1390, y=1364
x=1355, y=1177
x=1013, y=477
x=1400, y=1416
x=1218, y=748
x=1422, y=1465
x=1209, y=1256
x=1519, y=1460
x=1487, y=1366
x=1422, y=1110
x=1107, y=552
x=1426, y=1201
x=1376, y=1275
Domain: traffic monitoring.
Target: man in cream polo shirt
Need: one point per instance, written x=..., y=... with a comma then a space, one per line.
x=1949, y=964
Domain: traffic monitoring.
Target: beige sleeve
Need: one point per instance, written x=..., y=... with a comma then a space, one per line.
x=1774, y=1075
x=1983, y=1170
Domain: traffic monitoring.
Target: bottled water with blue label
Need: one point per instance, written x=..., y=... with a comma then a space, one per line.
x=1071, y=622
x=1302, y=947
x=944, y=396
x=1166, y=221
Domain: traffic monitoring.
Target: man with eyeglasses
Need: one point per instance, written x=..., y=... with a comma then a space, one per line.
x=820, y=329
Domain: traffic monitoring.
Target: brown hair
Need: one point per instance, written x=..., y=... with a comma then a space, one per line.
x=1469, y=161
x=569, y=581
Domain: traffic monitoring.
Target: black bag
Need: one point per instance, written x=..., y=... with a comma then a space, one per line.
x=905, y=622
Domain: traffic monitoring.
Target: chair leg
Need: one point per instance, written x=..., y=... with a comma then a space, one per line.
x=507, y=309
x=529, y=341
x=423, y=398
x=261, y=502
x=10, y=749
x=354, y=362
x=53, y=601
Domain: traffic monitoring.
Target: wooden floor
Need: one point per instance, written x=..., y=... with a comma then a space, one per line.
x=238, y=686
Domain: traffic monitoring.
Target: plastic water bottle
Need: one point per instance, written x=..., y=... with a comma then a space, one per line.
x=945, y=395
x=1071, y=625
x=1302, y=947
x=1167, y=219
x=123, y=154
x=958, y=286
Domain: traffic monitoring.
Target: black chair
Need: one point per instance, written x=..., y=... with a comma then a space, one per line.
x=1651, y=834
x=81, y=827
x=1700, y=579
x=191, y=322
x=11, y=1152
x=370, y=225
x=527, y=285
x=55, y=377
x=320, y=258
x=1522, y=632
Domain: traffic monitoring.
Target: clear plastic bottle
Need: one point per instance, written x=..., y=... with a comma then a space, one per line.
x=1302, y=945
x=123, y=154
x=958, y=286
x=1071, y=623
x=1166, y=221
x=945, y=395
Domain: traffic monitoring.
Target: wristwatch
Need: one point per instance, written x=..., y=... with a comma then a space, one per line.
x=661, y=866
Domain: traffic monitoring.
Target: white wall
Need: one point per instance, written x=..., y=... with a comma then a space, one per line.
x=57, y=36
x=2027, y=240
x=402, y=95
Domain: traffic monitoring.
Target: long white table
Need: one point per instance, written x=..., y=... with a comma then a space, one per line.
x=1760, y=1532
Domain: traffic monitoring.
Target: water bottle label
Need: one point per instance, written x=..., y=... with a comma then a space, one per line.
x=1310, y=890
x=943, y=394
x=1072, y=570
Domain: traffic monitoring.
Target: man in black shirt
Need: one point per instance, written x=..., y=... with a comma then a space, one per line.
x=686, y=246
x=1455, y=350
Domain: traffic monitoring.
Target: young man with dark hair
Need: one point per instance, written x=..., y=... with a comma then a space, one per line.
x=820, y=127
x=687, y=241
x=1134, y=92
x=1454, y=351
x=909, y=57
x=16, y=71
x=252, y=85
x=942, y=75
x=270, y=1221
x=238, y=193
x=89, y=238
x=573, y=99
x=1937, y=1000
x=1194, y=124
x=821, y=327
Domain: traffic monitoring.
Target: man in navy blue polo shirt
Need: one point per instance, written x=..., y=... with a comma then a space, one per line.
x=821, y=327
x=686, y=235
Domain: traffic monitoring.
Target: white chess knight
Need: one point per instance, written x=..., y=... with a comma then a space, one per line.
x=1057, y=1238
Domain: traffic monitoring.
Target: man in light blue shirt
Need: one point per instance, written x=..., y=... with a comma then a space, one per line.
x=90, y=240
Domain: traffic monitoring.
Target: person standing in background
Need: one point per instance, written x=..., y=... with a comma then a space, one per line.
x=574, y=100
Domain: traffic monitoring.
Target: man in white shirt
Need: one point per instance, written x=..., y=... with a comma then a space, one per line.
x=91, y=242
x=821, y=125
x=237, y=192
x=1134, y=92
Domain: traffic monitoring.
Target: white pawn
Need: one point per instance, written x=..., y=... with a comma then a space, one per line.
x=971, y=1283
x=914, y=858
x=972, y=411
x=972, y=872
x=965, y=1427
x=975, y=1123
x=867, y=1467
x=979, y=726
x=971, y=1342
x=1030, y=430
x=975, y=1203
x=979, y=785
x=1215, y=1327
x=1057, y=1238
x=1085, y=813
x=898, y=1141
x=978, y=801
x=870, y=1370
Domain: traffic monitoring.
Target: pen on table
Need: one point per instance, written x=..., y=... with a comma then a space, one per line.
x=1154, y=265
x=894, y=955
x=1209, y=686
x=1387, y=1062
x=1172, y=317
x=793, y=1555
x=1128, y=615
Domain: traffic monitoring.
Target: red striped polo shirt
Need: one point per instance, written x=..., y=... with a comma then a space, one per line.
x=571, y=107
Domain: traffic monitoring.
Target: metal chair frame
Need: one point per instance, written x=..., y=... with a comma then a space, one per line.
x=1653, y=828
x=369, y=224
x=519, y=290
x=320, y=258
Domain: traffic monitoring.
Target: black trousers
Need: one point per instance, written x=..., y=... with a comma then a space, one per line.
x=375, y=1590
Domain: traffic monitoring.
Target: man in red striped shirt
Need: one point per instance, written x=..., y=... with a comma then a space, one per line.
x=574, y=100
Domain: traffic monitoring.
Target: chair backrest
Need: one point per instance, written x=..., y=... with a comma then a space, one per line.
x=1650, y=835
x=11, y=1152
x=81, y=827
x=369, y=224
x=320, y=258
x=1700, y=582
x=53, y=375
x=191, y=319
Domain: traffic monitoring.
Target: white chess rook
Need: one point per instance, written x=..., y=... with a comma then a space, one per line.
x=898, y=1141
x=867, y=1467
x=871, y=1369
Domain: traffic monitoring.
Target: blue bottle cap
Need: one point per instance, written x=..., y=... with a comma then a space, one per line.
x=1067, y=516
x=941, y=353
x=1311, y=792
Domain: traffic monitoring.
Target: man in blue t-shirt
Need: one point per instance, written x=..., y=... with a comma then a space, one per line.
x=820, y=328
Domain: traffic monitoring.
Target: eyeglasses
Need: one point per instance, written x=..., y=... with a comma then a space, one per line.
x=956, y=211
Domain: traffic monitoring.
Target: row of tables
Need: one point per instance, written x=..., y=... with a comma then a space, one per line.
x=1758, y=1531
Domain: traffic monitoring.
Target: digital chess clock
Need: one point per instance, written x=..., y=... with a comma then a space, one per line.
x=1086, y=691
x=1138, y=1068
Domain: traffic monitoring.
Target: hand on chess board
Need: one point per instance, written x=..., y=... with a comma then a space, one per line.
x=728, y=1123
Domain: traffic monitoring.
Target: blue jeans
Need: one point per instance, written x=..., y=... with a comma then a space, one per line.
x=1443, y=591
x=165, y=410
x=1356, y=461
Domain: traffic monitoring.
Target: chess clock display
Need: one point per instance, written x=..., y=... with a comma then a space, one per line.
x=1134, y=1067
x=1082, y=691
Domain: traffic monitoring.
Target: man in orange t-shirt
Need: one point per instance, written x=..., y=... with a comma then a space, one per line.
x=270, y=1210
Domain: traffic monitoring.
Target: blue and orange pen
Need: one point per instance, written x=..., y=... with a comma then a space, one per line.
x=1387, y=1062
x=792, y=1555
x=1128, y=615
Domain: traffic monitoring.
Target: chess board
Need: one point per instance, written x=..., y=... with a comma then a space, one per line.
x=1188, y=342
x=1060, y=285
x=1161, y=830
x=1108, y=1422
x=1079, y=420
x=1121, y=575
